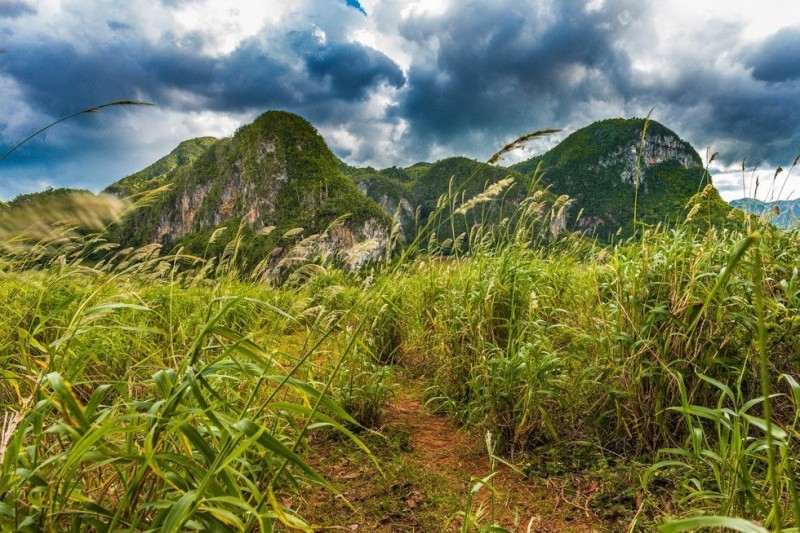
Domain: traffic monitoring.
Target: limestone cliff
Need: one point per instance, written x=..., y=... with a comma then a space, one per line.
x=607, y=168
x=277, y=174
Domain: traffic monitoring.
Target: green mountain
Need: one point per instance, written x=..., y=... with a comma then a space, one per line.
x=156, y=174
x=599, y=167
x=274, y=175
x=411, y=194
x=35, y=199
x=782, y=213
x=277, y=174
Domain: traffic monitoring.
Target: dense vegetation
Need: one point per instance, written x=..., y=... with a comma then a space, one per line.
x=143, y=391
x=145, y=388
x=588, y=164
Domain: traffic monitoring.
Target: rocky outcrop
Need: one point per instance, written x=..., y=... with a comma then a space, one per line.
x=619, y=181
x=276, y=172
x=655, y=149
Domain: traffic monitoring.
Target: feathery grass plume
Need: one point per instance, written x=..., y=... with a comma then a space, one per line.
x=692, y=212
x=294, y=232
x=771, y=191
x=519, y=142
x=266, y=230
x=638, y=177
x=48, y=227
x=786, y=178
x=361, y=253
x=216, y=233
x=95, y=109
x=11, y=421
x=489, y=194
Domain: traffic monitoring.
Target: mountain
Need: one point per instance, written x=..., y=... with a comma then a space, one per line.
x=411, y=194
x=598, y=167
x=273, y=175
x=782, y=213
x=36, y=199
x=155, y=175
x=278, y=174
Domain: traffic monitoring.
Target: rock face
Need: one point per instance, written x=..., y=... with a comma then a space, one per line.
x=275, y=173
x=655, y=149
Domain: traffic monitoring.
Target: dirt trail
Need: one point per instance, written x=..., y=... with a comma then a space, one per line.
x=437, y=444
x=429, y=470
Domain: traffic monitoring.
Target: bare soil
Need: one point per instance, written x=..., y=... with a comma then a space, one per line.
x=430, y=466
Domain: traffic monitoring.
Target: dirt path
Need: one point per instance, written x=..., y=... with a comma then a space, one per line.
x=430, y=466
x=463, y=458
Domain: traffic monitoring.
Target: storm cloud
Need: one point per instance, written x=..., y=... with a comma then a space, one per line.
x=504, y=68
x=386, y=81
x=778, y=57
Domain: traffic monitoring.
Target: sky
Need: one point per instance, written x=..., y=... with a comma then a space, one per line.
x=390, y=82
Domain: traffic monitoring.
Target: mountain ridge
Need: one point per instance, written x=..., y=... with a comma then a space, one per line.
x=277, y=175
x=782, y=213
x=602, y=165
x=154, y=175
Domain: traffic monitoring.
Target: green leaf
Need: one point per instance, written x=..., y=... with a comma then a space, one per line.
x=307, y=389
x=265, y=439
x=697, y=522
x=179, y=513
x=64, y=393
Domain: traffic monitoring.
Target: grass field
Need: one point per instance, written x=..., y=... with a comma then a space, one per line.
x=652, y=383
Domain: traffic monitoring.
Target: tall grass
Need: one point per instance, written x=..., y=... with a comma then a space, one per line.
x=143, y=390
x=140, y=393
x=667, y=347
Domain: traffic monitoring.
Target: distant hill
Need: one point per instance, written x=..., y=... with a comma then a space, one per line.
x=782, y=213
x=48, y=195
x=411, y=194
x=273, y=175
x=155, y=175
x=597, y=167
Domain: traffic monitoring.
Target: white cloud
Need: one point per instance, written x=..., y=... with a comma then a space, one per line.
x=685, y=58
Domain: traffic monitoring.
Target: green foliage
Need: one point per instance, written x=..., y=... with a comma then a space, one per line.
x=276, y=172
x=142, y=394
x=157, y=174
x=150, y=391
x=588, y=165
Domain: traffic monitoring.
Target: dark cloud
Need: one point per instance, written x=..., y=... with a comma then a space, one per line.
x=351, y=69
x=57, y=77
x=778, y=57
x=15, y=8
x=500, y=68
